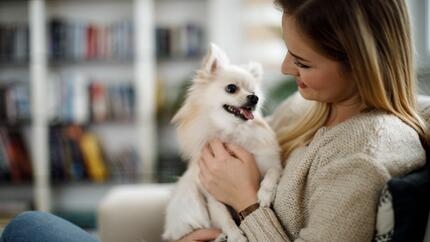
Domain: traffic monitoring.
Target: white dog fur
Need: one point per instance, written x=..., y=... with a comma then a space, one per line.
x=202, y=118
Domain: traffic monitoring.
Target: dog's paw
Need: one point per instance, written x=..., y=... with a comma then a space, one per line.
x=221, y=238
x=267, y=191
x=265, y=197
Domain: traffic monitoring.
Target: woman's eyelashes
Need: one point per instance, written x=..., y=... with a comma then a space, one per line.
x=300, y=65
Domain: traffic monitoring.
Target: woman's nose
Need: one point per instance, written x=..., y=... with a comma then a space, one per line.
x=288, y=67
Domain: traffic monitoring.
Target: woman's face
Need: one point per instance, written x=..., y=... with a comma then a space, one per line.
x=318, y=77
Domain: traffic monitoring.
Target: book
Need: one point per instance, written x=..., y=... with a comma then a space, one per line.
x=18, y=167
x=98, y=102
x=4, y=159
x=76, y=168
x=56, y=155
x=184, y=41
x=80, y=41
x=93, y=158
x=20, y=157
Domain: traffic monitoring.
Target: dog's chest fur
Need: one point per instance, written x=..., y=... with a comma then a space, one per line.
x=242, y=134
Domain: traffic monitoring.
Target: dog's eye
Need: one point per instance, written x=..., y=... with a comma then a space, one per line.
x=231, y=88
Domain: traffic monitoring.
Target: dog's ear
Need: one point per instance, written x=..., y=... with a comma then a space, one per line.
x=214, y=59
x=256, y=70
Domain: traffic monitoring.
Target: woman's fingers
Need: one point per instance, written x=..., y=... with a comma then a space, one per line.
x=205, y=234
x=238, y=152
x=206, y=153
x=218, y=149
x=201, y=235
x=204, y=174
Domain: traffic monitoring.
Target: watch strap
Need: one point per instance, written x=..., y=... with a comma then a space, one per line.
x=247, y=211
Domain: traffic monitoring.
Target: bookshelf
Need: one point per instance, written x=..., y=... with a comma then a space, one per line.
x=142, y=71
x=125, y=73
x=15, y=124
x=123, y=68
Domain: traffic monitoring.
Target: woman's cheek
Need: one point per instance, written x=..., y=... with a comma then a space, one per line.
x=316, y=82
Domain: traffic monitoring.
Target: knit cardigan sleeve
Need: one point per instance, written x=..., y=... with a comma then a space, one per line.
x=263, y=225
x=343, y=196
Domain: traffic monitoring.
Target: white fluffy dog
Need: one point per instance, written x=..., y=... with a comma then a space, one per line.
x=223, y=102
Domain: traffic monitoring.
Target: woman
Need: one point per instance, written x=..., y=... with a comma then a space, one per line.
x=352, y=61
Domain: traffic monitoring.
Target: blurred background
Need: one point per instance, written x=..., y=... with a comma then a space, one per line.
x=88, y=88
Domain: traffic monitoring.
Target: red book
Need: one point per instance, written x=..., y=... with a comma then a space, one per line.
x=19, y=162
x=91, y=42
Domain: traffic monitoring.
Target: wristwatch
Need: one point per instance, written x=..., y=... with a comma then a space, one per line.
x=247, y=211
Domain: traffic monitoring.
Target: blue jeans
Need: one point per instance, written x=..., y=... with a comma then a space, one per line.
x=43, y=227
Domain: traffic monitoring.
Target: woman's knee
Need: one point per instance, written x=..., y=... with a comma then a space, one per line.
x=26, y=218
x=42, y=226
x=23, y=225
x=30, y=216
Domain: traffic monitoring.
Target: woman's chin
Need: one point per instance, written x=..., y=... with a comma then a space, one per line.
x=306, y=94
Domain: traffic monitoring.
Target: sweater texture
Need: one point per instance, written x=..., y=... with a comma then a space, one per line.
x=329, y=190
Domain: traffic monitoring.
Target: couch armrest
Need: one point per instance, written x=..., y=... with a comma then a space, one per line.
x=133, y=213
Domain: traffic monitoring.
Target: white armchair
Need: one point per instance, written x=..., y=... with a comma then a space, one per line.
x=133, y=213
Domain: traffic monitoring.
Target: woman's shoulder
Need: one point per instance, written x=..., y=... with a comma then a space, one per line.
x=374, y=126
x=383, y=138
x=384, y=129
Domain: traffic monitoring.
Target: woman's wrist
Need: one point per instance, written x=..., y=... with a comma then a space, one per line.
x=245, y=203
x=247, y=211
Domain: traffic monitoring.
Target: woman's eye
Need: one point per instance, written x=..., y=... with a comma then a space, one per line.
x=300, y=65
x=231, y=88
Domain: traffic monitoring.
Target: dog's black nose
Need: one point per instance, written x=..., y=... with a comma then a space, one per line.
x=252, y=99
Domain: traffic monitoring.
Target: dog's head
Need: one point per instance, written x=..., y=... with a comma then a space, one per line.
x=222, y=91
x=221, y=97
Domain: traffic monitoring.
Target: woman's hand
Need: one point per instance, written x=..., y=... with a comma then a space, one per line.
x=230, y=174
x=200, y=235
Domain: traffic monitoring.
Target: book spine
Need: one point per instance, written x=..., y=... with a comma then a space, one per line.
x=185, y=41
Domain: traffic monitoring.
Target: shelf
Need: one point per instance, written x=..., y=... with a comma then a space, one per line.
x=15, y=124
x=95, y=62
x=162, y=60
x=141, y=70
x=107, y=123
x=76, y=185
x=4, y=64
x=11, y=191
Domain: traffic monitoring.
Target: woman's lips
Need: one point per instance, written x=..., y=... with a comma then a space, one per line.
x=301, y=84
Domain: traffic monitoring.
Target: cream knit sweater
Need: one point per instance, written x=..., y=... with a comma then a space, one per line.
x=329, y=190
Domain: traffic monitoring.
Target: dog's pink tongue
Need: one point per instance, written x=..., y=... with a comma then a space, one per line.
x=246, y=113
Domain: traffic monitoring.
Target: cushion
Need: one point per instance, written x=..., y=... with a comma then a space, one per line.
x=403, y=207
x=411, y=203
x=385, y=217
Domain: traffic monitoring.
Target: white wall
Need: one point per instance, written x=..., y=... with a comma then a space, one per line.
x=419, y=11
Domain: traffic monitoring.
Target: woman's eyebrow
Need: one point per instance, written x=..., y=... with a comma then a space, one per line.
x=298, y=57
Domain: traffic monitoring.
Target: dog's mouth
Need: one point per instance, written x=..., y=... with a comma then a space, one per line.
x=244, y=112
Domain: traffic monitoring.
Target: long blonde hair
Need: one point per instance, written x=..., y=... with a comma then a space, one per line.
x=372, y=41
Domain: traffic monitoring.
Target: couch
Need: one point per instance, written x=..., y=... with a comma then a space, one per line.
x=135, y=213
